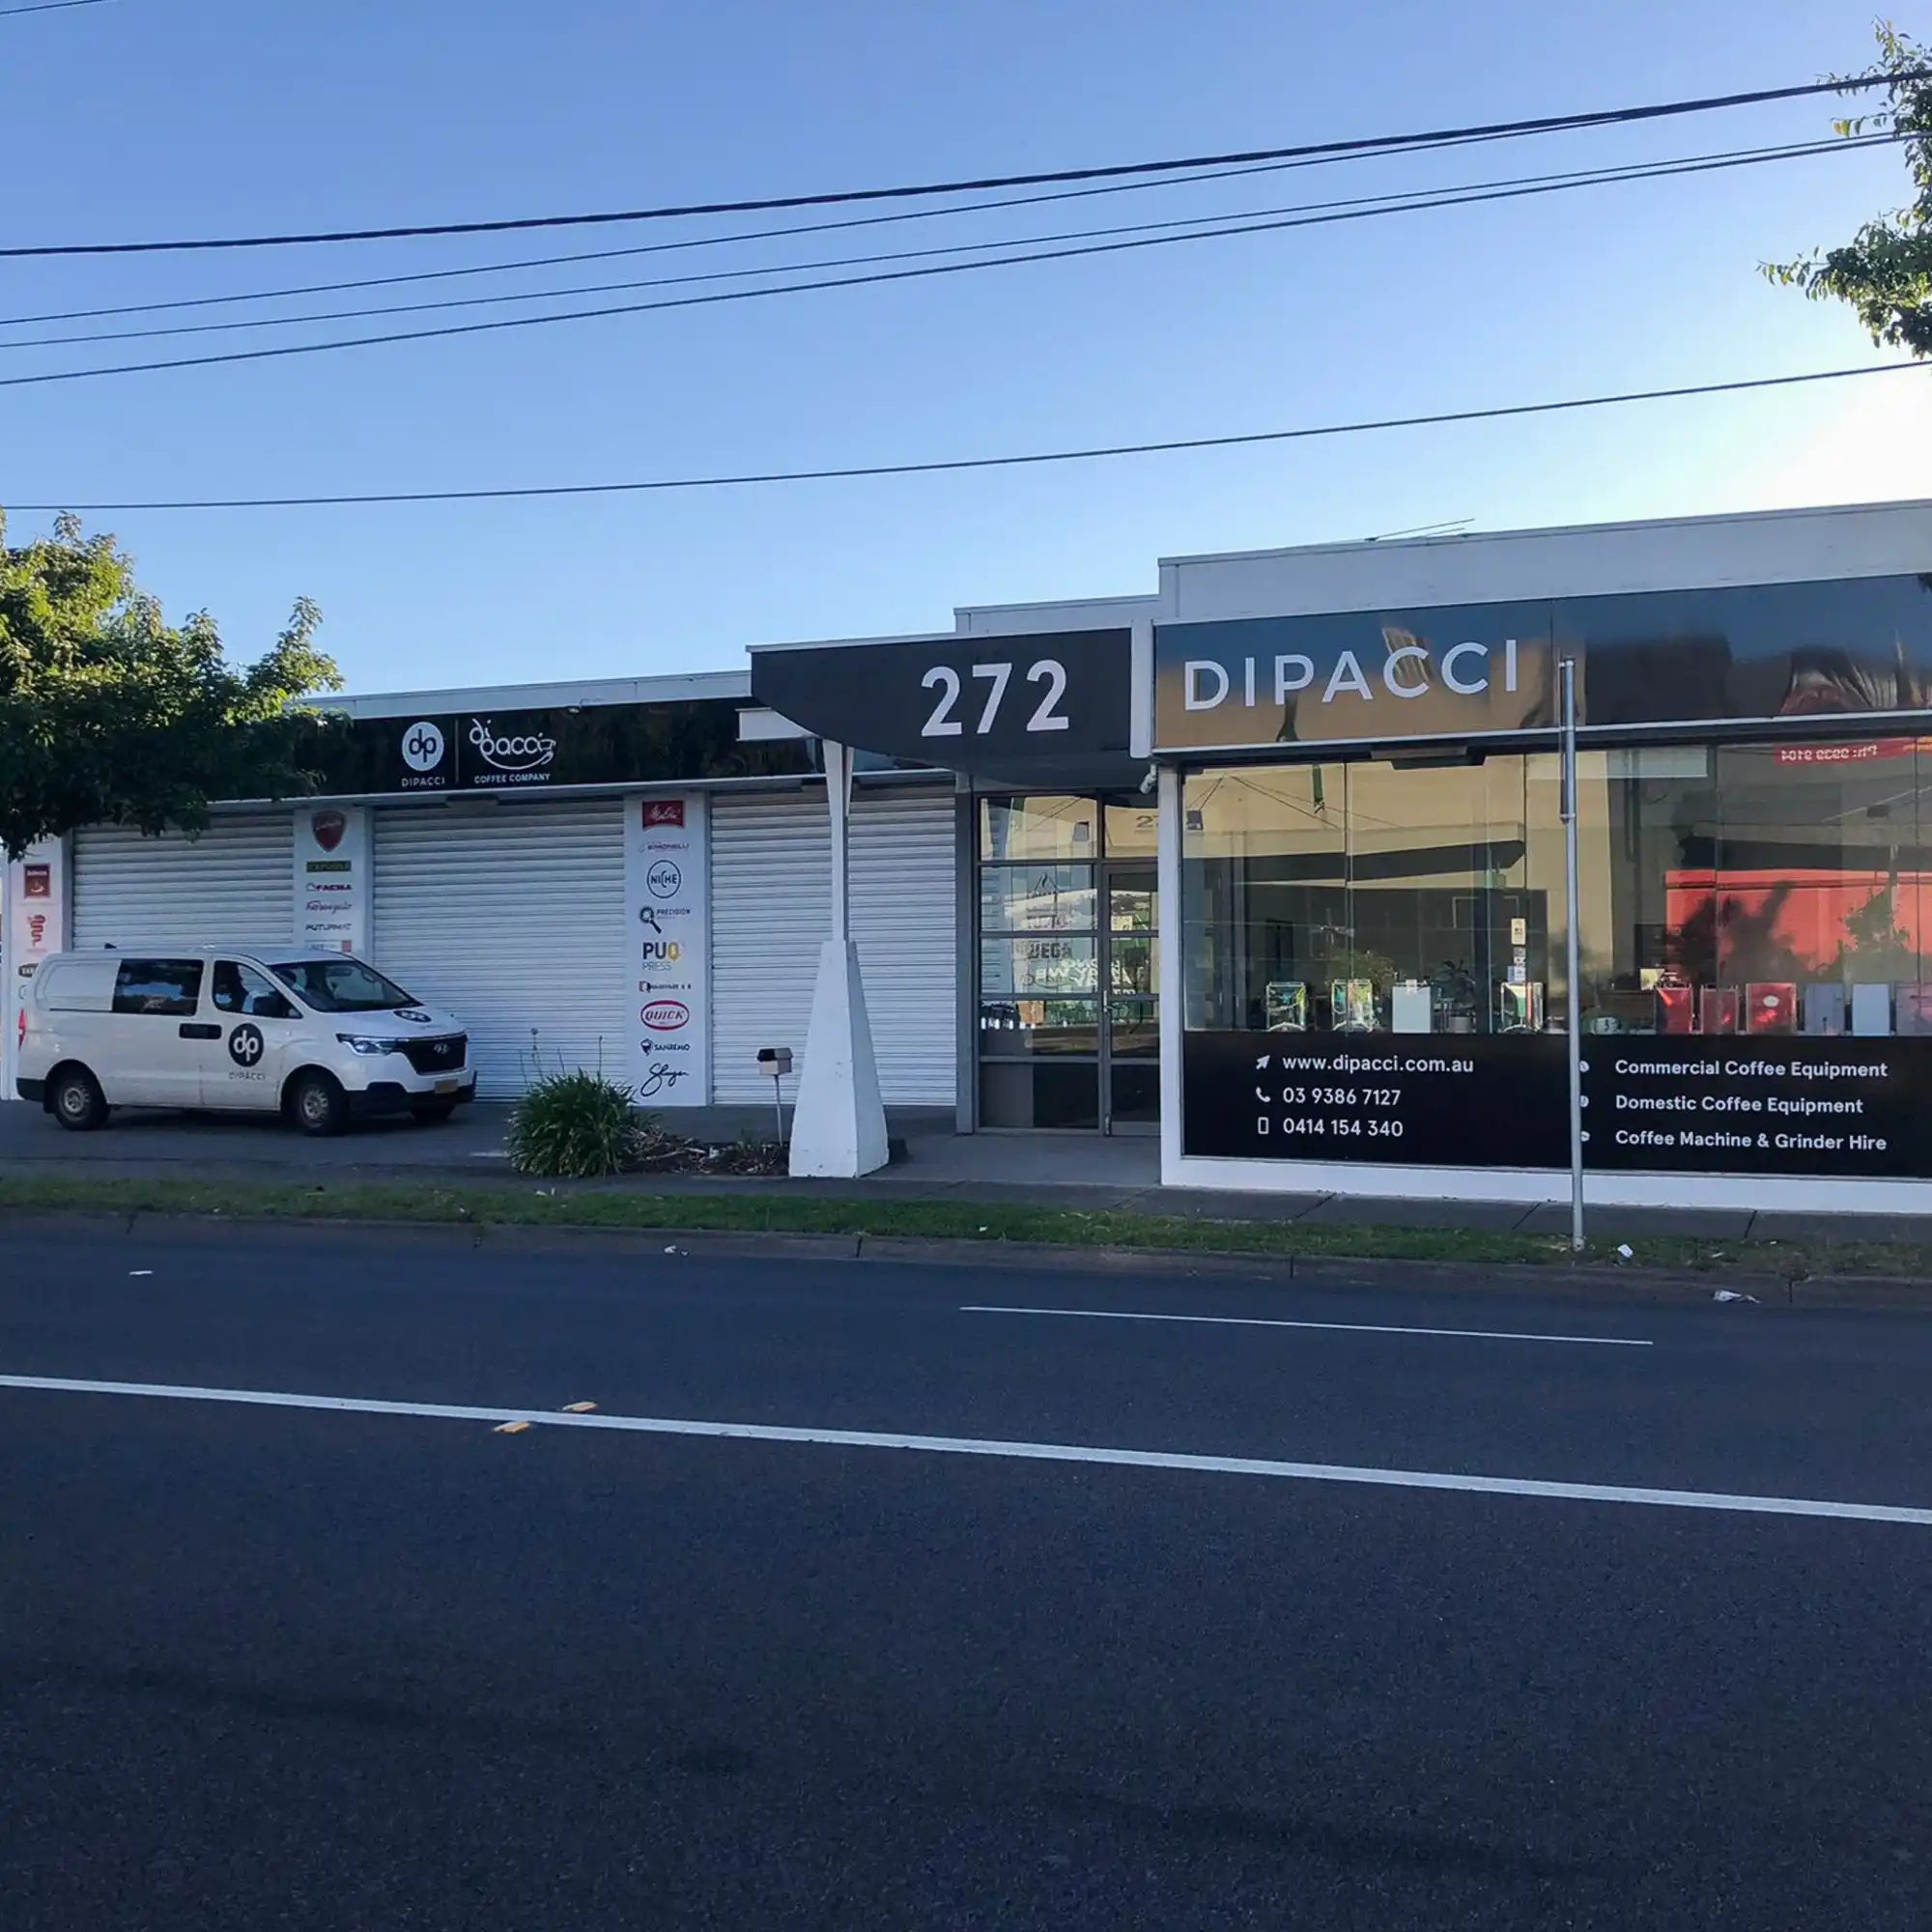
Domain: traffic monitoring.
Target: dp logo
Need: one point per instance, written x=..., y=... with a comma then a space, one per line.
x=244, y=1046
x=422, y=747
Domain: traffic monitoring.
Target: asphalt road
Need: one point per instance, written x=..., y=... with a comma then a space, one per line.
x=266, y=1665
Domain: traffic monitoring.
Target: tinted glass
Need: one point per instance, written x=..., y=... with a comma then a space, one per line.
x=1039, y=1096
x=1136, y=1096
x=240, y=989
x=1418, y=899
x=1037, y=828
x=342, y=985
x=1132, y=905
x=1027, y=1026
x=1037, y=898
x=1037, y=967
x=165, y=987
x=1133, y=1029
x=1133, y=830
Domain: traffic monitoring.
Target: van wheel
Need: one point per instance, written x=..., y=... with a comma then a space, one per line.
x=76, y=1101
x=318, y=1105
x=431, y=1110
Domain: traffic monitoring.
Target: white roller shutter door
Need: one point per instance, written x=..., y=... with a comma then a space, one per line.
x=232, y=886
x=511, y=916
x=771, y=909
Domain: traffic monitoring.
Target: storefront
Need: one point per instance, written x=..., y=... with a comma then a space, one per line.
x=1348, y=760
x=1269, y=862
x=624, y=876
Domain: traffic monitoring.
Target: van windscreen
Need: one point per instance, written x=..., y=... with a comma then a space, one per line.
x=342, y=985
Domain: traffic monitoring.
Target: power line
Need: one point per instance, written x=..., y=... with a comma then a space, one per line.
x=874, y=278
x=963, y=462
x=984, y=184
x=1365, y=207
x=50, y=7
x=710, y=241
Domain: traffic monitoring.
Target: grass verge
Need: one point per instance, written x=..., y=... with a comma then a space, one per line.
x=525, y=1205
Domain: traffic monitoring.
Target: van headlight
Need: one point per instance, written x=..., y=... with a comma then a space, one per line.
x=358, y=1042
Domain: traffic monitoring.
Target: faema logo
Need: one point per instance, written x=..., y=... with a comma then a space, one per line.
x=662, y=811
x=530, y=753
x=328, y=828
x=665, y=1015
x=423, y=747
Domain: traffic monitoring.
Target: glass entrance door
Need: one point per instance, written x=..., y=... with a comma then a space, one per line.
x=1068, y=1000
x=1130, y=1010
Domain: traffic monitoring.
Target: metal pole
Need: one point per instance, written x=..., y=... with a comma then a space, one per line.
x=1572, y=919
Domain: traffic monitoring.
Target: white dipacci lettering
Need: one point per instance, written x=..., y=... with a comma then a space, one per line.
x=1304, y=669
x=1412, y=653
x=1248, y=683
x=1348, y=675
x=1475, y=687
x=1509, y=664
x=1190, y=696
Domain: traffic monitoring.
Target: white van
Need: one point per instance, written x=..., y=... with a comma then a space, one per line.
x=318, y=1036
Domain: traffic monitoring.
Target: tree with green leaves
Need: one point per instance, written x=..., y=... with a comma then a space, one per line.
x=108, y=714
x=1885, y=271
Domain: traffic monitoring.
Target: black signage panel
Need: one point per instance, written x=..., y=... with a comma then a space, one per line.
x=1860, y=1109
x=1361, y=675
x=1394, y=1099
x=1731, y=1104
x=1849, y=647
x=1026, y=707
x=521, y=750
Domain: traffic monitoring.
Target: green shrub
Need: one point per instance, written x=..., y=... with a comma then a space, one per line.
x=574, y=1127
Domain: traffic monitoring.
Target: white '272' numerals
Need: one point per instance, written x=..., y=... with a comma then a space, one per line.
x=944, y=679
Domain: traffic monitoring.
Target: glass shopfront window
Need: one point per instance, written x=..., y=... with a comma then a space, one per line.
x=1375, y=897
x=1753, y=919
x=1069, y=993
x=1763, y=889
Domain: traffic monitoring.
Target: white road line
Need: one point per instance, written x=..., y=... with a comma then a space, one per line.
x=1025, y=1452
x=1339, y=1327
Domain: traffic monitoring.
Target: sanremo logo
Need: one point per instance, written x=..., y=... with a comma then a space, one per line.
x=422, y=747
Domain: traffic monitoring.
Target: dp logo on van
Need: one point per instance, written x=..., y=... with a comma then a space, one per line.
x=244, y=1046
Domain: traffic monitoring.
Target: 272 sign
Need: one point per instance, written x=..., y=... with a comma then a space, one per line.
x=1012, y=706
x=1047, y=714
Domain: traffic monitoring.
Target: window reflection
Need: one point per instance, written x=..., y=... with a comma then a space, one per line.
x=1421, y=897
x=1736, y=889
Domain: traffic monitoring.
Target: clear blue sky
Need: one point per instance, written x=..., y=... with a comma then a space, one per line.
x=148, y=118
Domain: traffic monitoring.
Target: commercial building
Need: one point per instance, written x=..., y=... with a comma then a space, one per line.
x=1268, y=862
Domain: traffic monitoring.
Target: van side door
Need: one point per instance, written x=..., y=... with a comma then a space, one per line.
x=154, y=1044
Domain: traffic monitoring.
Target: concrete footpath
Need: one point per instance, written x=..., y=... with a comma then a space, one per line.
x=1080, y=1171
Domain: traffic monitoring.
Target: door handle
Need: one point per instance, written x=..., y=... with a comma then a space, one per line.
x=192, y=1031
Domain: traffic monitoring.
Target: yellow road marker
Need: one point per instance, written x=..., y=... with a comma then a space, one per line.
x=579, y=1408
x=509, y=1427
